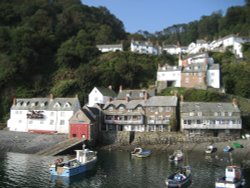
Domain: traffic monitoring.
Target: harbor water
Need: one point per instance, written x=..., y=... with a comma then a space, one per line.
x=117, y=169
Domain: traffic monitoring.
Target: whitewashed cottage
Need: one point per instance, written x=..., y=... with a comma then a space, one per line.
x=42, y=115
x=101, y=95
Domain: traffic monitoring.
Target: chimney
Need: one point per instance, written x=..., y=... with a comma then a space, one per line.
x=110, y=87
x=234, y=101
x=120, y=89
x=76, y=96
x=145, y=95
x=14, y=101
x=181, y=98
x=51, y=96
x=127, y=97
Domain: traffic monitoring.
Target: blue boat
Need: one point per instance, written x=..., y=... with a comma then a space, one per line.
x=85, y=160
x=139, y=152
x=228, y=149
x=180, y=178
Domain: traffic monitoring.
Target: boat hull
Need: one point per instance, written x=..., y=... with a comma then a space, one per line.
x=72, y=171
x=226, y=184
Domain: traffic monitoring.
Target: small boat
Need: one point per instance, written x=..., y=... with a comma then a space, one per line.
x=176, y=156
x=228, y=149
x=139, y=152
x=210, y=149
x=180, y=178
x=233, y=178
x=85, y=160
x=237, y=145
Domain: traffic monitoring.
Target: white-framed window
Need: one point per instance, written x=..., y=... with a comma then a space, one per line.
x=51, y=113
x=41, y=122
x=51, y=122
x=30, y=121
x=62, y=113
x=19, y=121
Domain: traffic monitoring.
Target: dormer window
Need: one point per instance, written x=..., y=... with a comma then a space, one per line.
x=110, y=108
x=67, y=105
x=57, y=105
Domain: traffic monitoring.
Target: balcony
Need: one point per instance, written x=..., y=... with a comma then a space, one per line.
x=212, y=126
x=158, y=122
x=123, y=122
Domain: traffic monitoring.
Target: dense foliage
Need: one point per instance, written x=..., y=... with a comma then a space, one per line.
x=49, y=46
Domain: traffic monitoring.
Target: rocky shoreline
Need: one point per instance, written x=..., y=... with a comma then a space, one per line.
x=31, y=143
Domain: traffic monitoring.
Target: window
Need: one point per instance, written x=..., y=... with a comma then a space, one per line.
x=41, y=122
x=199, y=113
x=51, y=113
x=96, y=99
x=51, y=122
x=111, y=108
x=62, y=113
x=62, y=122
x=19, y=121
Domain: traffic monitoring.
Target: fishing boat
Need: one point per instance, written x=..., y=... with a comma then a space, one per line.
x=85, y=160
x=233, y=178
x=176, y=156
x=180, y=178
x=139, y=152
x=228, y=149
x=237, y=145
x=210, y=149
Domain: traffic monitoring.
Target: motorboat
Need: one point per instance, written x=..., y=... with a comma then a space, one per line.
x=233, y=178
x=85, y=160
x=210, y=149
x=140, y=152
x=180, y=178
x=176, y=156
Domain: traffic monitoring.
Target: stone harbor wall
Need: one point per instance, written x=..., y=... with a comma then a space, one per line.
x=147, y=138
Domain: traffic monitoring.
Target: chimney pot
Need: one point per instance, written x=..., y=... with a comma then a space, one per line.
x=120, y=89
x=14, y=101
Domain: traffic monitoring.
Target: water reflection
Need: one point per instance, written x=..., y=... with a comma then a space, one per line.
x=117, y=169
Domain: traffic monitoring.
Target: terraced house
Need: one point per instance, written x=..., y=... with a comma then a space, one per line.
x=210, y=118
x=139, y=111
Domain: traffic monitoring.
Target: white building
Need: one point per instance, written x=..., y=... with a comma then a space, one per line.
x=174, y=49
x=201, y=57
x=170, y=74
x=233, y=41
x=213, y=76
x=145, y=47
x=199, y=46
x=42, y=115
x=110, y=47
x=101, y=95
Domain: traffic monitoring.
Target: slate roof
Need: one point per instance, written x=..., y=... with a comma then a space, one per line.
x=214, y=67
x=129, y=105
x=109, y=46
x=207, y=107
x=135, y=94
x=66, y=104
x=162, y=101
x=106, y=91
x=170, y=68
x=197, y=67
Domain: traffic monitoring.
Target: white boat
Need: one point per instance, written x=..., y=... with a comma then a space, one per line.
x=233, y=178
x=176, y=156
x=210, y=149
x=139, y=152
x=85, y=160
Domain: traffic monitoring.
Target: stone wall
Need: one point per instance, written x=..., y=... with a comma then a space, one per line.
x=139, y=138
